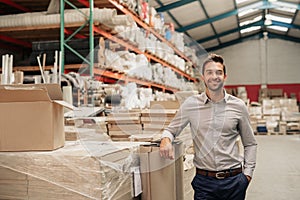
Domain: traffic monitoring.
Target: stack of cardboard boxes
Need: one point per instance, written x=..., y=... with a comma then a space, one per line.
x=38, y=161
x=275, y=116
x=120, y=126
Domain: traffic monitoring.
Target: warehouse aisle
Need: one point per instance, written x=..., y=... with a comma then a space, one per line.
x=277, y=175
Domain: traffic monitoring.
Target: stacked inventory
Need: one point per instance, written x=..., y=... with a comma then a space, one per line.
x=120, y=126
x=155, y=120
x=158, y=117
x=86, y=170
x=275, y=116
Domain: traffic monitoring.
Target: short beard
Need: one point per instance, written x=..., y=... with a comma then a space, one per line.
x=215, y=89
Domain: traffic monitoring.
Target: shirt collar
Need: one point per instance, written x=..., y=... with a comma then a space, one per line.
x=206, y=99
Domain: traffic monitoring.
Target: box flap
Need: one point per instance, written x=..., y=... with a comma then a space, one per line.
x=23, y=94
x=54, y=90
x=65, y=104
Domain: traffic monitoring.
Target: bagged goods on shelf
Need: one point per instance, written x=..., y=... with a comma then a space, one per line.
x=142, y=70
x=104, y=16
x=158, y=73
x=190, y=53
x=177, y=40
x=131, y=4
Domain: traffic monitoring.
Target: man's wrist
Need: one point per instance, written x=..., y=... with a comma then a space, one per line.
x=166, y=139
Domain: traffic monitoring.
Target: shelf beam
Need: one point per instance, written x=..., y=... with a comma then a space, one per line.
x=63, y=41
x=125, y=78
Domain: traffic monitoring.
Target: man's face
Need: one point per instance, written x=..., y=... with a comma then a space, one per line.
x=214, y=76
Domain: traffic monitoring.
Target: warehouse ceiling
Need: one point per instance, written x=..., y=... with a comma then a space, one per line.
x=213, y=24
x=219, y=23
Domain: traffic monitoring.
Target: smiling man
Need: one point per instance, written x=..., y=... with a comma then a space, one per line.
x=216, y=119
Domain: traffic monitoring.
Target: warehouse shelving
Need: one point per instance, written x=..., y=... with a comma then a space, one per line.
x=147, y=54
x=98, y=29
x=100, y=72
x=125, y=10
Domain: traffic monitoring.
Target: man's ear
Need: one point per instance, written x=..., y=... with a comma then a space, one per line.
x=225, y=77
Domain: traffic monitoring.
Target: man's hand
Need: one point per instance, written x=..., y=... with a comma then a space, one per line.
x=249, y=178
x=166, y=148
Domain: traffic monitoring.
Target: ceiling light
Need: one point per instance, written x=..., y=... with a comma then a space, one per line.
x=285, y=9
x=250, y=29
x=280, y=19
x=279, y=28
x=256, y=19
x=240, y=1
x=286, y=5
x=245, y=12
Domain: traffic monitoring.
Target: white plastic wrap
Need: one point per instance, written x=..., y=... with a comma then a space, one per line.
x=83, y=169
x=104, y=16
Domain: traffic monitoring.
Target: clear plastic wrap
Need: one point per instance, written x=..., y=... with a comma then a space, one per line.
x=84, y=169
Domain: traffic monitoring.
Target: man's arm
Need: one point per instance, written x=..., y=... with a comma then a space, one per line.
x=180, y=120
x=249, y=143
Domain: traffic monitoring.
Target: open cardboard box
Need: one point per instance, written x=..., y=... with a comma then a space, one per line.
x=31, y=117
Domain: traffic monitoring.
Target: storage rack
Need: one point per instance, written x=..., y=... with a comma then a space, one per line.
x=98, y=30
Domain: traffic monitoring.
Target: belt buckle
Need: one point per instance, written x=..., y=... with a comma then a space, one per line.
x=220, y=175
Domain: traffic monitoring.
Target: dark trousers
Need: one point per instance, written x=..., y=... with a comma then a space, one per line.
x=210, y=188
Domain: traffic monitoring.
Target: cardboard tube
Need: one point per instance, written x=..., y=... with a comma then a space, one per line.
x=59, y=68
x=54, y=80
x=10, y=69
x=42, y=72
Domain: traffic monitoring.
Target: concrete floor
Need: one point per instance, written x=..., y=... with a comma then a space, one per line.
x=277, y=174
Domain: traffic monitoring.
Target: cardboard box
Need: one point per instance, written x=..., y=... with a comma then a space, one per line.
x=161, y=178
x=31, y=117
x=164, y=105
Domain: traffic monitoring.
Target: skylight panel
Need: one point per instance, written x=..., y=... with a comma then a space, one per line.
x=279, y=28
x=241, y=1
x=285, y=9
x=280, y=19
x=289, y=7
x=250, y=29
x=256, y=19
x=245, y=12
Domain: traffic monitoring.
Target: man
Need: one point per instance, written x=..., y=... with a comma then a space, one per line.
x=216, y=119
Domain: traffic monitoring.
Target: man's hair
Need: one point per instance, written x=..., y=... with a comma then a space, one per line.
x=214, y=58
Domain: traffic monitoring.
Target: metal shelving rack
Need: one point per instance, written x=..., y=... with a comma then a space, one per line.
x=63, y=41
x=92, y=30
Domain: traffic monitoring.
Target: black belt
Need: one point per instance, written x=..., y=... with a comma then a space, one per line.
x=219, y=174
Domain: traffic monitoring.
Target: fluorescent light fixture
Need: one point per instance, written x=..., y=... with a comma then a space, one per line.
x=285, y=4
x=245, y=12
x=249, y=7
x=285, y=9
x=241, y=1
x=280, y=19
x=250, y=29
x=256, y=19
x=279, y=28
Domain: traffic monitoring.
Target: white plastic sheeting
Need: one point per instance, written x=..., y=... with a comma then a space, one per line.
x=104, y=16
